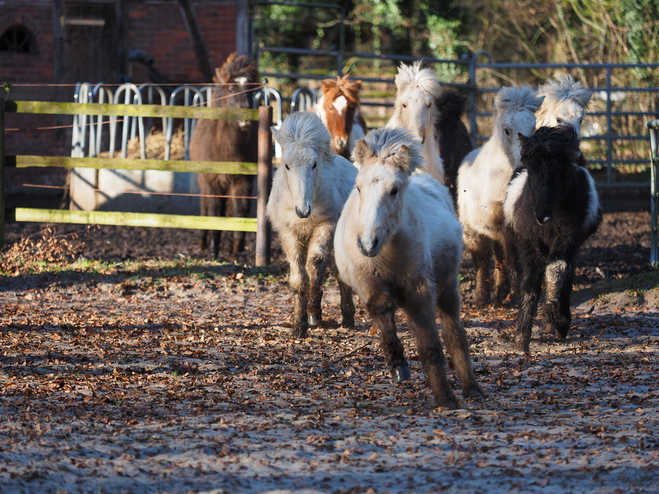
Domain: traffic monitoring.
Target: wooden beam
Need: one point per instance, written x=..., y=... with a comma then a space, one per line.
x=264, y=181
x=52, y=108
x=192, y=26
x=230, y=167
x=132, y=219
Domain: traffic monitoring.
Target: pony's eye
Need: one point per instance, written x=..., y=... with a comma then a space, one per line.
x=394, y=191
x=559, y=121
x=404, y=105
x=429, y=104
x=358, y=189
x=331, y=107
x=507, y=131
x=315, y=164
x=286, y=165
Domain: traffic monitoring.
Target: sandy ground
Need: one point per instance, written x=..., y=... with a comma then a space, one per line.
x=188, y=382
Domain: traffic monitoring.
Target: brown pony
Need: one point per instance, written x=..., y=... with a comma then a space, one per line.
x=227, y=140
x=338, y=108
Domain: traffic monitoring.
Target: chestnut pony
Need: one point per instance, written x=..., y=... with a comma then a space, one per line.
x=338, y=108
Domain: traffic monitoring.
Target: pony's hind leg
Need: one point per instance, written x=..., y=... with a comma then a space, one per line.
x=347, y=305
x=455, y=339
x=480, y=248
x=420, y=312
x=240, y=190
x=382, y=309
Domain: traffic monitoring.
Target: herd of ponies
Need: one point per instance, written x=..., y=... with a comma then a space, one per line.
x=398, y=205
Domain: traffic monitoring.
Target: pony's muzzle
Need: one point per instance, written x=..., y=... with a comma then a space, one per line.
x=340, y=142
x=543, y=219
x=369, y=251
x=303, y=213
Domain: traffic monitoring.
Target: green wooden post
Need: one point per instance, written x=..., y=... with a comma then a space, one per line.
x=2, y=173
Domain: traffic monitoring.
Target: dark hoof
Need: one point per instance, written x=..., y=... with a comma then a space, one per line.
x=562, y=331
x=400, y=373
x=522, y=345
x=473, y=391
x=314, y=320
x=449, y=402
x=348, y=322
x=300, y=331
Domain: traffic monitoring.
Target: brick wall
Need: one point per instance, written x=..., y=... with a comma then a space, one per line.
x=155, y=27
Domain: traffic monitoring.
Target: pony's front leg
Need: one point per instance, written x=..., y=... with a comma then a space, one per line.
x=320, y=247
x=420, y=312
x=382, y=309
x=456, y=341
x=531, y=287
x=555, y=275
x=298, y=281
x=480, y=248
x=347, y=305
x=565, y=315
x=501, y=280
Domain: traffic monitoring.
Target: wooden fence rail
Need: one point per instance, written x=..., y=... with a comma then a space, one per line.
x=263, y=170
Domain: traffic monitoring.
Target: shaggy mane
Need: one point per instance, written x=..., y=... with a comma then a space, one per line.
x=307, y=130
x=565, y=88
x=414, y=75
x=385, y=141
x=451, y=102
x=517, y=99
x=237, y=66
x=561, y=142
x=332, y=89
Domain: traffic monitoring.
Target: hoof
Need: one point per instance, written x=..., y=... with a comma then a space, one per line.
x=522, y=345
x=473, y=391
x=562, y=331
x=300, y=331
x=314, y=320
x=449, y=402
x=400, y=373
x=348, y=322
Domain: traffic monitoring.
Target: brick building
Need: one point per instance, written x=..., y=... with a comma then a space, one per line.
x=65, y=42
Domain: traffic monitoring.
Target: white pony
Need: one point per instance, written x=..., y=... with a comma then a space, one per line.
x=398, y=244
x=308, y=192
x=566, y=101
x=415, y=110
x=482, y=181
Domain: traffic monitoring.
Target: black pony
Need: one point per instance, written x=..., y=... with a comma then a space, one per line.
x=551, y=208
x=452, y=136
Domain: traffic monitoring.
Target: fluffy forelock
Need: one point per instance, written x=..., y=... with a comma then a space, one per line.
x=306, y=129
x=517, y=99
x=240, y=66
x=414, y=75
x=342, y=86
x=563, y=89
x=385, y=141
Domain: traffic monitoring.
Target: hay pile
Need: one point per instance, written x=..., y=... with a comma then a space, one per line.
x=155, y=147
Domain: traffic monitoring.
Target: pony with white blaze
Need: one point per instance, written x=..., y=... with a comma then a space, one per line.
x=338, y=108
x=308, y=192
x=398, y=244
x=482, y=181
x=415, y=109
x=566, y=101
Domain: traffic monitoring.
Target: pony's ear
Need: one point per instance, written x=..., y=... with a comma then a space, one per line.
x=402, y=157
x=328, y=84
x=361, y=152
x=216, y=77
x=275, y=134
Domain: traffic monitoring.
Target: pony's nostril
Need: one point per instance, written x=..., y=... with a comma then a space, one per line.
x=376, y=241
x=303, y=213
